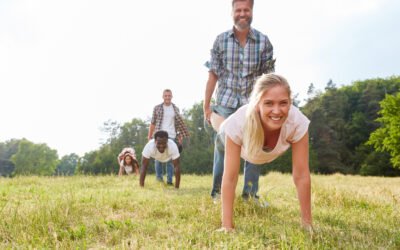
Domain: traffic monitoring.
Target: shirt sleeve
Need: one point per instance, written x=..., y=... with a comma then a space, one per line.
x=215, y=64
x=147, y=150
x=267, y=61
x=180, y=124
x=301, y=123
x=154, y=116
x=233, y=126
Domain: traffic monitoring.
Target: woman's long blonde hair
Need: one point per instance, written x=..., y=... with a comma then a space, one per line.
x=253, y=134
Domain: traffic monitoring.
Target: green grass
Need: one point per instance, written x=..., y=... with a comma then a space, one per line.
x=85, y=212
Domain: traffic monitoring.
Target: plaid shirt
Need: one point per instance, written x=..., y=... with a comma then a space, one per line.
x=158, y=114
x=237, y=68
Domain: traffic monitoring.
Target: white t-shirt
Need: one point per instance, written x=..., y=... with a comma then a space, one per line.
x=293, y=129
x=128, y=169
x=168, y=121
x=171, y=152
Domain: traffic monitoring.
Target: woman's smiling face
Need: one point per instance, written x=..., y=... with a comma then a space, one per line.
x=273, y=107
x=128, y=160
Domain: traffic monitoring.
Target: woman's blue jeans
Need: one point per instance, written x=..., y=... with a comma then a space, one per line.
x=251, y=171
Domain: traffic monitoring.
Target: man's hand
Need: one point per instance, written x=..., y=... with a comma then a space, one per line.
x=211, y=83
x=180, y=139
x=207, y=113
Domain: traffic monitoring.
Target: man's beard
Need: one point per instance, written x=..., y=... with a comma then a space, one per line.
x=242, y=26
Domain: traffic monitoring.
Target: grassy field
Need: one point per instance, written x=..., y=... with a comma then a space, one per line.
x=86, y=212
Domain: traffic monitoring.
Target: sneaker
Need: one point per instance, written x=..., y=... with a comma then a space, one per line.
x=256, y=201
x=216, y=198
x=262, y=204
x=170, y=183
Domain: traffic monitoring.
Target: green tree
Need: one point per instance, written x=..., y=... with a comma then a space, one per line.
x=111, y=130
x=34, y=159
x=197, y=156
x=6, y=167
x=376, y=163
x=323, y=131
x=342, y=120
x=8, y=149
x=387, y=137
x=67, y=165
x=104, y=160
x=311, y=90
x=132, y=134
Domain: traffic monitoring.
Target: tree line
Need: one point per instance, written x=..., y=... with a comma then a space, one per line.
x=354, y=129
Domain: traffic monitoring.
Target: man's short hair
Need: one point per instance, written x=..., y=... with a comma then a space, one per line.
x=251, y=2
x=167, y=90
x=160, y=134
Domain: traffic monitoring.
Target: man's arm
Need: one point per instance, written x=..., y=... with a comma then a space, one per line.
x=136, y=167
x=180, y=139
x=210, y=87
x=145, y=163
x=151, y=131
x=152, y=126
x=180, y=126
x=177, y=172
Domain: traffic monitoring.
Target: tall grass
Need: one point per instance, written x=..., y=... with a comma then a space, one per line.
x=87, y=212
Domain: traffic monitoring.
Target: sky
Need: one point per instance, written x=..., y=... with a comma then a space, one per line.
x=68, y=66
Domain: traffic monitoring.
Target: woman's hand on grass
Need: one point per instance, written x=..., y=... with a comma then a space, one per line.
x=225, y=230
x=307, y=227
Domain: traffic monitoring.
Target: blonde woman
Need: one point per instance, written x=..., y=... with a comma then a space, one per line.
x=261, y=131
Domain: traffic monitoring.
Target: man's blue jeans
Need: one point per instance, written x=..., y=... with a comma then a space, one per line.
x=251, y=171
x=160, y=170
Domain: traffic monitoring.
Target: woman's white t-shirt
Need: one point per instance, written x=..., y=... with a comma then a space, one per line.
x=151, y=151
x=128, y=169
x=293, y=129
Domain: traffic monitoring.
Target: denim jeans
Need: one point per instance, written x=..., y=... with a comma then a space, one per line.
x=159, y=166
x=251, y=171
x=251, y=177
x=160, y=170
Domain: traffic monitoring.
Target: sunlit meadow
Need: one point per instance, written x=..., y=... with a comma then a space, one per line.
x=92, y=212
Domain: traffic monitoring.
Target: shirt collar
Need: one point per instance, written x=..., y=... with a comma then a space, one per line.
x=251, y=34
